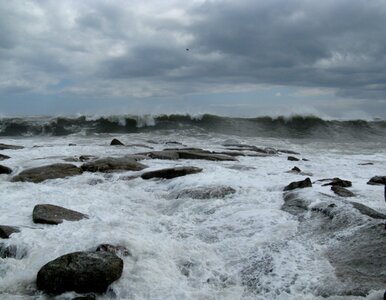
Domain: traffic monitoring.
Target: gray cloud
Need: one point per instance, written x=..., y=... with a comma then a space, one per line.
x=127, y=49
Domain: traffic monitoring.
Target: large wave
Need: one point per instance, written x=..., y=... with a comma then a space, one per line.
x=286, y=127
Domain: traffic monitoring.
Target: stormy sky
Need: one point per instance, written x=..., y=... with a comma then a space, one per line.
x=230, y=57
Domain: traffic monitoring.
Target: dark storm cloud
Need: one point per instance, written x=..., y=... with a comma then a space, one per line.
x=131, y=48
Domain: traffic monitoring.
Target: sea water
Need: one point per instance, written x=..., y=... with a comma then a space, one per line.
x=242, y=246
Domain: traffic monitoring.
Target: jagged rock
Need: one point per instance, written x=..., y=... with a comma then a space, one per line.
x=298, y=184
x=6, y=231
x=9, y=147
x=4, y=157
x=111, y=164
x=365, y=210
x=5, y=170
x=12, y=251
x=82, y=272
x=339, y=182
x=171, y=172
x=206, y=192
x=116, y=142
x=292, y=158
x=52, y=214
x=115, y=249
x=341, y=191
x=377, y=180
x=54, y=171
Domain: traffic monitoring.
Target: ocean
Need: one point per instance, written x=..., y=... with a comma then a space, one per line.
x=243, y=245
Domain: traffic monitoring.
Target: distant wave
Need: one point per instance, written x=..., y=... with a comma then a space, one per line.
x=286, y=127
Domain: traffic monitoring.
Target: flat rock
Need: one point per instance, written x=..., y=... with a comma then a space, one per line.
x=116, y=142
x=288, y=151
x=9, y=147
x=110, y=164
x=52, y=214
x=377, y=180
x=299, y=184
x=171, y=172
x=206, y=192
x=187, y=154
x=4, y=157
x=82, y=272
x=6, y=231
x=292, y=158
x=368, y=211
x=341, y=191
x=5, y=170
x=339, y=182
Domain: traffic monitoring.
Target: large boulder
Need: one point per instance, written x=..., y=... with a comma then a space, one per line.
x=206, y=192
x=4, y=157
x=54, y=171
x=299, y=184
x=53, y=214
x=110, y=164
x=171, y=172
x=9, y=147
x=5, y=170
x=377, y=180
x=6, y=231
x=82, y=272
x=341, y=191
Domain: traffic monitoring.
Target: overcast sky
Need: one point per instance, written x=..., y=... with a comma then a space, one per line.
x=230, y=57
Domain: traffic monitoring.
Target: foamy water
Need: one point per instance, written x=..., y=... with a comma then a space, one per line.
x=240, y=247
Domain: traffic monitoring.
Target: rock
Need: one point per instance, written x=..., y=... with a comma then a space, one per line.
x=81, y=158
x=206, y=155
x=140, y=145
x=4, y=157
x=115, y=249
x=288, y=152
x=10, y=147
x=52, y=214
x=299, y=184
x=171, y=172
x=82, y=272
x=6, y=231
x=296, y=170
x=111, y=164
x=54, y=171
x=87, y=297
x=172, y=155
x=292, y=158
x=377, y=180
x=341, y=191
x=366, y=164
x=365, y=210
x=5, y=170
x=294, y=204
x=207, y=192
x=305, y=159
x=71, y=145
x=12, y=251
x=116, y=142
x=339, y=182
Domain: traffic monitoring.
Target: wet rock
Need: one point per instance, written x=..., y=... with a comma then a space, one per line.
x=5, y=170
x=365, y=210
x=52, y=214
x=339, y=182
x=6, y=231
x=366, y=164
x=292, y=158
x=305, y=159
x=116, y=142
x=82, y=272
x=111, y=164
x=208, y=192
x=87, y=297
x=171, y=172
x=4, y=157
x=12, y=251
x=341, y=191
x=296, y=170
x=115, y=249
x=9, y=147
x=299, y=184
x=71, y=144
x=231, y=153
x=243, y=147
x=377, y=180
x=288, y=152
x=294, y=204
x=54, y=171
x=171, y=155
x=206, y=155
x=139, y=145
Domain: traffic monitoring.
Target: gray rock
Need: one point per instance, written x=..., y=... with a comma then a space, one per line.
x=288, y=151
x=116, y=142
x=365, y=210
x=54, y=171
x=294, y=204
x=187, y=154
x=9, y=147
x=339, y=182
x=115, y=249
x=82, y=272
x=377, y=180
x=341, y=191
x=170, y=155
x=110, y=164
x=299, y=184
x=5, y=170
x=52, y=214
x=12, y=251
x=6, y=231
x=4, y=157
x=366, y=164
x=206, y=192
x=171, y=172
x=292, y=158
